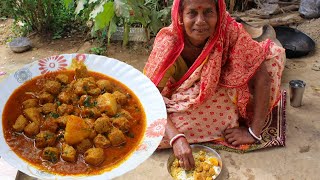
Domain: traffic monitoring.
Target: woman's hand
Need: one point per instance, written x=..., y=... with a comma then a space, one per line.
x=183, y=152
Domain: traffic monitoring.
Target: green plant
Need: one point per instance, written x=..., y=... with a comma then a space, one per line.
x=43, y=16
x=97, y=50
x=108, y=14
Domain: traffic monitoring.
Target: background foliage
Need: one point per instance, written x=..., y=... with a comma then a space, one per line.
x=43, y=16
x=107, y=15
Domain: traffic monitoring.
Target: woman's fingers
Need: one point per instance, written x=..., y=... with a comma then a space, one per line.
x=186, y=163
x=228, y=136
x=183, y=152
x=228, y=131
x=181, y=162
x=191, y=160
x=230, y=140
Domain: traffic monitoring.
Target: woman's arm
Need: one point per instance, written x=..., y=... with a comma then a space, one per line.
x=181, y=147
x=261, y=97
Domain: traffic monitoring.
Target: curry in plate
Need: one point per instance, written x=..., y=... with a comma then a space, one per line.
x=73, y=122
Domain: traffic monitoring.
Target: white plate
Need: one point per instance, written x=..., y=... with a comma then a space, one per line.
x=143, y=88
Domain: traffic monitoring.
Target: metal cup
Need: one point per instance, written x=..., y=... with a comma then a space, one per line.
x=296, y=92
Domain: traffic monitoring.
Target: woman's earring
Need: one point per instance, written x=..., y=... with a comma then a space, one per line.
x=180, y=23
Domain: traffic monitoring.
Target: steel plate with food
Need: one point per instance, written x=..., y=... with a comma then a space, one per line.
x=79, y=115
x=208, y=165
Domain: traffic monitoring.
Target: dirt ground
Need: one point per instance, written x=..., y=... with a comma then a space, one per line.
x=298, y=160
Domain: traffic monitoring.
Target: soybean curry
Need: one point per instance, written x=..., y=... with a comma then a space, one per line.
x=73, y=122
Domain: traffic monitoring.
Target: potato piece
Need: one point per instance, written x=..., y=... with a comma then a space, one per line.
x=94, y=156
x=120, y=97
x=33, y=114
x=206, y=166
x=212, y=171
x=121, y=123
x=20, y=123
x=214, y=161
x=84, y=145
x=76, y=130
x=49, y=107
x=44, y=139
x=116, y=137
x=51, y=154
x=68, y=153
x=62, y=78
x=103, y=125
x=107, y=103
x=52, y=87
x=101, y=141
x=30, y=103
x=32, y=129
x=105, y=85
x=46, y=98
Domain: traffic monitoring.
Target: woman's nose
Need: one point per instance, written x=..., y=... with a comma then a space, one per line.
x=200, y=19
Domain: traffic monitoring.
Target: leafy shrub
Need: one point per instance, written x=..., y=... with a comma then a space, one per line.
x=43, y=16
x=108, y=14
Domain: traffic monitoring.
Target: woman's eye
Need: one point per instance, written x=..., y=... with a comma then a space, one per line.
x=191, y=13
x=209, y=11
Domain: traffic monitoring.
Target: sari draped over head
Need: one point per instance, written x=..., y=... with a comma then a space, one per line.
x=229, y=59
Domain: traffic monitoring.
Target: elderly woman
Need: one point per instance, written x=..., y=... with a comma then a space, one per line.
x=211, y=73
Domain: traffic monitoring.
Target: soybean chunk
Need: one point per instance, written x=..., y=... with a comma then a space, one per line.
x=94, y=156
x=84, y=145
x=52, y=87
x=105, y=85
x=62, y=78
x=101, y=141
x=120, y=97
x=121, y=123
x=68, y=153
x=51, y=154
x=45, y=138
x=103, y=125
x=116, y=137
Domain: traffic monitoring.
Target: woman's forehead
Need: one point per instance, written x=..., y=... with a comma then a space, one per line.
x=198, y=4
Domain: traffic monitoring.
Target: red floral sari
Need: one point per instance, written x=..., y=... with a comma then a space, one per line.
x=229, y=60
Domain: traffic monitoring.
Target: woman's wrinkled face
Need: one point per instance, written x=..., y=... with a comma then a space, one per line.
x=199, y=19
